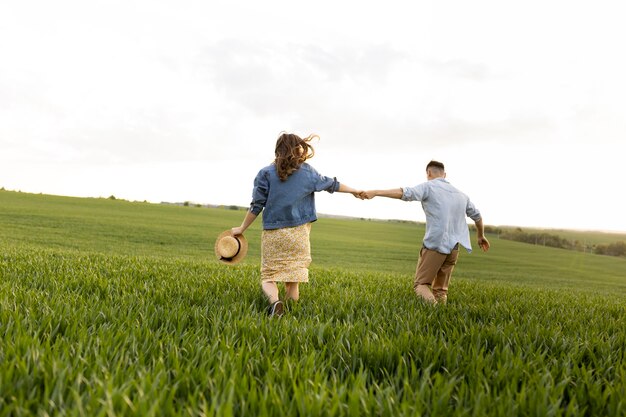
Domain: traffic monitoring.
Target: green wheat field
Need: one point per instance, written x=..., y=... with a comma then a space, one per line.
x=117, y=308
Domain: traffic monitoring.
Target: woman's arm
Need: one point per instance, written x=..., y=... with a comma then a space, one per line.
x=347, y=189
x=247, y=221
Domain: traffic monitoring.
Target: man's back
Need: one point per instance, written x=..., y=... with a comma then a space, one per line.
x=446, y=208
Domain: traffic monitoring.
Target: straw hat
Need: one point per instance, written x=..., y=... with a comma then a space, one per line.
x=231, y=249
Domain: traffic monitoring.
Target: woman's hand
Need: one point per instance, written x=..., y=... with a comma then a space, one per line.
x=367, y=195
x=247, y=221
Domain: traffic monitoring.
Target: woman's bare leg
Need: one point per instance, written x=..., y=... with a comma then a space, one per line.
x=271, y=291
x=292, y=291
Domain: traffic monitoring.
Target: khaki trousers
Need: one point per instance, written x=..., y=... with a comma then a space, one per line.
x=435, y=269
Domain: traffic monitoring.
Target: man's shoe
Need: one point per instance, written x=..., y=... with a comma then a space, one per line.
x=441, y=299
x=424, y=293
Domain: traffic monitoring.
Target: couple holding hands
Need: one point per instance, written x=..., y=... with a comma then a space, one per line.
x=285, y=191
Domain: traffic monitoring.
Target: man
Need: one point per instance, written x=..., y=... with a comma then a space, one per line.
x=446, y=228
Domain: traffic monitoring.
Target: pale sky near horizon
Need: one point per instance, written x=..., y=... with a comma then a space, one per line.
x=524, y=102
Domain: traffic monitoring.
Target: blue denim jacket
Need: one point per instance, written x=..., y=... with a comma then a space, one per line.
x=291, y=202
x=446, y=208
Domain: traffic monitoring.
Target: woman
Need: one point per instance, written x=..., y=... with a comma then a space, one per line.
x=284, y=191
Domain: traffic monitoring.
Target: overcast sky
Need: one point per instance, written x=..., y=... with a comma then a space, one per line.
x=524, y=102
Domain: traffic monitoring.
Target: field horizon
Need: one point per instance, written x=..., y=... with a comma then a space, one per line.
x=619, y=234
x=118, y=308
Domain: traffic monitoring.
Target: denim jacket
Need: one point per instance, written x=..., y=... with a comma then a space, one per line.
x=291, y=202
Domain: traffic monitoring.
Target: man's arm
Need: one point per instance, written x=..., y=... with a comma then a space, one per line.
x=480, y=232
x=390, y=193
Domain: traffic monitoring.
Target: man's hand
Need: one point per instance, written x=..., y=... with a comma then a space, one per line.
x=483, y=243
x=367, y=195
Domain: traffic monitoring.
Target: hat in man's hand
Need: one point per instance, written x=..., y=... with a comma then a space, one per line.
x=231, y=249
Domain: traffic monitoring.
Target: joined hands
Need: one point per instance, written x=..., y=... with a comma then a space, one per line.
x=364, y=195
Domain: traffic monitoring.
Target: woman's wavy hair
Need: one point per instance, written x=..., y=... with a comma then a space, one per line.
x=291, y=152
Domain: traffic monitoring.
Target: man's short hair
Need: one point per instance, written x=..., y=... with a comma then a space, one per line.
x=437, y=165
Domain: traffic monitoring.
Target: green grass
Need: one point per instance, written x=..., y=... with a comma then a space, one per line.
x=142, y=229
x=117, y=308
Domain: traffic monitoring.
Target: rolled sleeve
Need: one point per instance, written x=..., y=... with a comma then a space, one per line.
x=334, y=186
x=417, y=193
x=259, y=193
x=322, y=183
x=472, y=212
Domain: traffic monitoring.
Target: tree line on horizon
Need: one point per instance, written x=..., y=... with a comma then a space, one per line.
x=556, y=241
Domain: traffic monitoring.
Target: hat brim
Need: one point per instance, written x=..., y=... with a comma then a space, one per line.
x=243, y=249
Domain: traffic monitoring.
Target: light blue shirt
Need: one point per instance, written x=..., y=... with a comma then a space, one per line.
x=446, y=209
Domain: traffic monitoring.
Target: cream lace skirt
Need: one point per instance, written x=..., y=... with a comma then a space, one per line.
x=286, y=254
